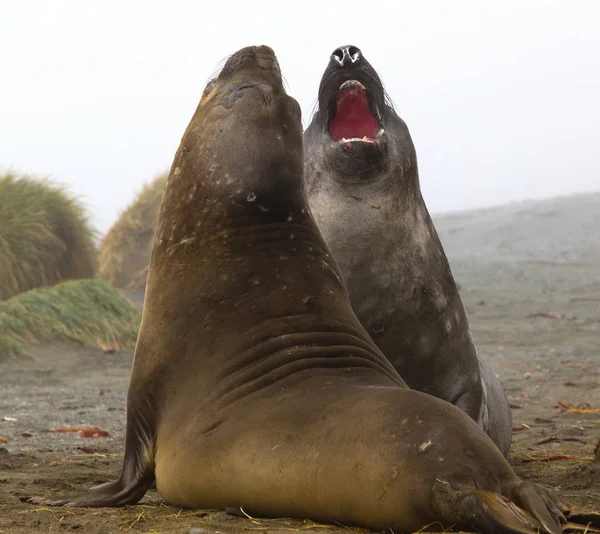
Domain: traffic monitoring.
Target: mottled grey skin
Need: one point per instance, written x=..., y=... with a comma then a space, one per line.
x=368, y=205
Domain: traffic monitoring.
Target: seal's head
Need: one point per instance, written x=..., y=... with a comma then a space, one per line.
x=356, y=133
x=250, y=82
x=246, y=127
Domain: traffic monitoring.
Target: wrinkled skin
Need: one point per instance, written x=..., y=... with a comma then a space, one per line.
x=365, y=196
x=253, y=383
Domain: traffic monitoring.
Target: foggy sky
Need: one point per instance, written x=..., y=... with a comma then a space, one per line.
x=501, y=98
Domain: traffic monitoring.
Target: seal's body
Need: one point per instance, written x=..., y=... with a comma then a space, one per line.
x=253, y=383
x=363, y=189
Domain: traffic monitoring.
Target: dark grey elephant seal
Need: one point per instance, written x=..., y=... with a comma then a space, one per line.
x=363, y=190
x=254, y=385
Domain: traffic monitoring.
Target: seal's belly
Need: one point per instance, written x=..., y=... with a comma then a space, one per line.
x=330, y=457
x=326, y=451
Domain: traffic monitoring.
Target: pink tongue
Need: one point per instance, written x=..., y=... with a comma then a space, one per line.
x=353, y=118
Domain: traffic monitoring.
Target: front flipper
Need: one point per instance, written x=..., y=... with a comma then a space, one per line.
x=117, y=493
x=136, y=476
x=485, y=511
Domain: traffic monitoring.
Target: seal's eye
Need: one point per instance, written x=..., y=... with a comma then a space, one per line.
x=236, y=92
x=244, y=86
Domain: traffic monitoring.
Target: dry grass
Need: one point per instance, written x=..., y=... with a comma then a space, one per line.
x=90, y=312
x=125, y=250
x=45, y=236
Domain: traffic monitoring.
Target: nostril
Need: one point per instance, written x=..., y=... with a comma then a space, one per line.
x=353, y=52
x=346, y=55
x=338, y=54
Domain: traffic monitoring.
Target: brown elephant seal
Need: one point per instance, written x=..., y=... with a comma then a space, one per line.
x=253, y=384
x=363, y=190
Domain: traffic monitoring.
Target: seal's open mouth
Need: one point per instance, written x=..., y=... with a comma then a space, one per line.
x=354, y=116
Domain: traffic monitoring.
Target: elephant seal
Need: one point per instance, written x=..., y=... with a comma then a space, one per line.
x=254, y=385
x=363, y=190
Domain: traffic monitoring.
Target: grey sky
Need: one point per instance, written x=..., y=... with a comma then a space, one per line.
x=501, y=98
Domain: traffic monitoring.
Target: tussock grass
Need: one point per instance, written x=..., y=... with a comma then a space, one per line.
x=125, y=250
x=45, y=236
x=90, y=312
x=9, y=348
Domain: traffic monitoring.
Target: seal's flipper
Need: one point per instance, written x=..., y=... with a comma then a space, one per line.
x=110, y=494
x=578, y=519
x=136, y=477
x=491, y=512
x=539, y=502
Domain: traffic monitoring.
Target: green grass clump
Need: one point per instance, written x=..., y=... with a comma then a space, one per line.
x=90, y=312
x=45, y=236
x=125, y=250
x=9, y=348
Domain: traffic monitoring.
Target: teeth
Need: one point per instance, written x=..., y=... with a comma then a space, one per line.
x=352, y=84
x=354, y=139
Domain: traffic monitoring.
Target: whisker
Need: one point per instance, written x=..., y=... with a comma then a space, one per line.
x=314, y=109
x=286, y=85
x=388, y=100
x=218, y=68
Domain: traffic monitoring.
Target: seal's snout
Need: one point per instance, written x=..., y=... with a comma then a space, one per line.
x=258, y=61
x=264, y=50
x=351, y=99
x=265, y=57
x=345, y=56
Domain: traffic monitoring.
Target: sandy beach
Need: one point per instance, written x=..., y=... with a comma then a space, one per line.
x=529, y=275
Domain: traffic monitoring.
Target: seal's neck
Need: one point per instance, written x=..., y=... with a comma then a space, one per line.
x=398, y=188
x=248, y=189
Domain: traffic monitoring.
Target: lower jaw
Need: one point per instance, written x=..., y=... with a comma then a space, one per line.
x=357, y=161
x=372, y=141
x=355, y=141
x=358, y=145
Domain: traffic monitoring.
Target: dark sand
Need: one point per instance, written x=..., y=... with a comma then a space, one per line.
x=512, y=263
